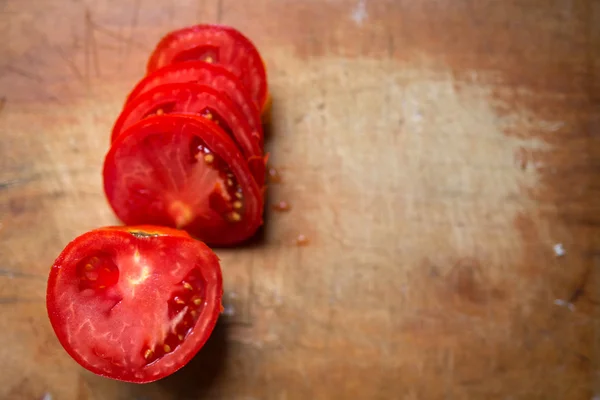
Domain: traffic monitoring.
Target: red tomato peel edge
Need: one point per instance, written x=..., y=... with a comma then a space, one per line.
x=134, y=304
x=203, y=73
x=218, y=44
x=183, y=171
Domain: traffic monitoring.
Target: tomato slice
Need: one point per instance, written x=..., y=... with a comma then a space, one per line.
x=205, y=74
x=134, y=303
x=217, y=44
x=194, y=98
x=183, y=171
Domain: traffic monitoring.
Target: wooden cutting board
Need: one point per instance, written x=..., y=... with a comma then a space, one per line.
x=442, y=157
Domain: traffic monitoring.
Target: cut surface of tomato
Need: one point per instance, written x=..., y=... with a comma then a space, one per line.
x=134, y=303
x=198, y=99
x=216, y=44
x=205, y=74
x=183, y=171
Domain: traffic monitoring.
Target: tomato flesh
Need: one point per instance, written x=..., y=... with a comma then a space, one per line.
x=132, y=305
x=183, y=171
x=217, y=44
x=202, y=100
x=207, y=74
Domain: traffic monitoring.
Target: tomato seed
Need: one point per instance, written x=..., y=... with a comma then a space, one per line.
x=148, y=353
x=187, y=286
x=167, y=348
x=197, y=301
x=226, y=187
x=235, y=217
x=92, y=275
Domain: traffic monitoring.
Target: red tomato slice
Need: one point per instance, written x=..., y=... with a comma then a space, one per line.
x=202, y=100
x=215, y=44
x=183, y=171
x=205, y=74
x=134, y=303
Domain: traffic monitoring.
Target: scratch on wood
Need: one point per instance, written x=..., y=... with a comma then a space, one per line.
x=132, y=27
x=90, y=48
x=590, y=47
x=69, y=63
x=390, y=45
x=87, y=44
x=11, y=183
x=16, y=300
x=23, y=180
x=580, y=291
x=220, y=10
x=2, y=104
x=17, y=274
x=200, y=10
x=94, y=45
x=171, y=12
x=23, y=73
x=119, y=38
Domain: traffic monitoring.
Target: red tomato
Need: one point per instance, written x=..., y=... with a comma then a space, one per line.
x=194, y=98
x=215, y=44
x=134, y=303
x=183, y=171
x=205, y=74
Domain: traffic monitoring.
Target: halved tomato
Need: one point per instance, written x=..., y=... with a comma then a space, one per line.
x=205, y=74
x=183, y=171
x=217, y=44
x=197, y=99
x=134, y=303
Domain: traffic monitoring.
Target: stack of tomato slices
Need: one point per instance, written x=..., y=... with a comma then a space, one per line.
x=187, y=149
x=136, y=303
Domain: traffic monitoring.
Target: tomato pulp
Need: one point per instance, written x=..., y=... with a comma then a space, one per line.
x=216, y=44
x=134, y=303
x=183, y=171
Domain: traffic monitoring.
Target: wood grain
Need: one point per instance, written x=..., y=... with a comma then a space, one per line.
x=433, y=152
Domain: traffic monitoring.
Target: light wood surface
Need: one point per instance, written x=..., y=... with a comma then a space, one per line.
x=437, y=154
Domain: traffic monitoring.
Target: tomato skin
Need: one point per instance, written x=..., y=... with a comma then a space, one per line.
x=63, y=276
x=224, y=45
x=193, y=98
x=206, y=74
x=153, y=208
x=182, y=92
